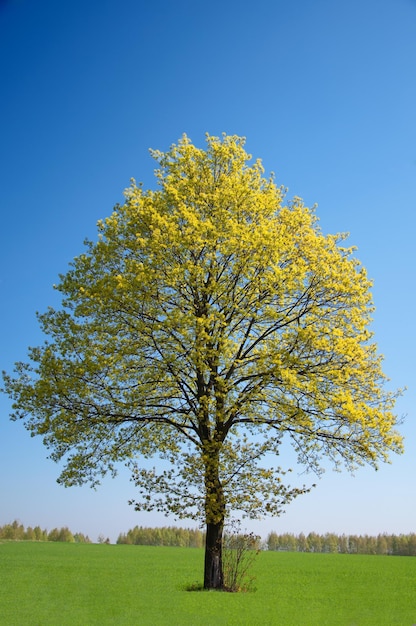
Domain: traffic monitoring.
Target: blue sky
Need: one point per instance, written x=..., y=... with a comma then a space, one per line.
x=325, y=93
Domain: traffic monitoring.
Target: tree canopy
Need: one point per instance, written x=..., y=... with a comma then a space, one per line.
x=209, y=321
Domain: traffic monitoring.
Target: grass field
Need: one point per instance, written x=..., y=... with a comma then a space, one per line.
x=80, y=584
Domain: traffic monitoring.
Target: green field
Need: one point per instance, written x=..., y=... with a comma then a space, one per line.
x=82, y=584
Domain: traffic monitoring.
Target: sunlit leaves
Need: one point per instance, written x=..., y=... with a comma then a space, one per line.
x=209, y=321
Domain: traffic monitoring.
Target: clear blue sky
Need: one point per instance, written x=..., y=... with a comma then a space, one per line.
x=325, y=93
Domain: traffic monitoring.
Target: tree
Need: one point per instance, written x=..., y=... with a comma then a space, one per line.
x=40, y=535
x=272, y=541
x=209, y=322
x=302, y=543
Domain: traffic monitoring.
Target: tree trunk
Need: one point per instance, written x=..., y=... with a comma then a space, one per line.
x=214, y=517
x=213, y=574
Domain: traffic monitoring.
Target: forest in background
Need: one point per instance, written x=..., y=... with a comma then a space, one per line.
x=385, y=544
x=17, y=532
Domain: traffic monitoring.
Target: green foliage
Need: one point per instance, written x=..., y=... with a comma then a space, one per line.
x=81, y=538
x=165, y=536
x=17, y=532
x=385, y=544
x=68, y=584
x=63, y=534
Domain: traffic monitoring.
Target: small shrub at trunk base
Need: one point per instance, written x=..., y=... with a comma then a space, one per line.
x=239, y=553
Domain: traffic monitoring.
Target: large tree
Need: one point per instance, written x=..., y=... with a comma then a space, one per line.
x=208, y=322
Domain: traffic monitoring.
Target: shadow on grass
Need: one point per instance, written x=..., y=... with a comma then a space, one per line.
x=195, y=587
x=200, y=587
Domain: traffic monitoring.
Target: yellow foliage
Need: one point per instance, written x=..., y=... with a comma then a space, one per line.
x=209, y=304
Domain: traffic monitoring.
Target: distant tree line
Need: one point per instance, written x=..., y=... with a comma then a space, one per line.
x=166, y=536
x=17, y=532
x=398, y=545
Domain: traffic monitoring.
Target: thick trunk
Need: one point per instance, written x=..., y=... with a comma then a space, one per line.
x=213, y=574
x=214, y=517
